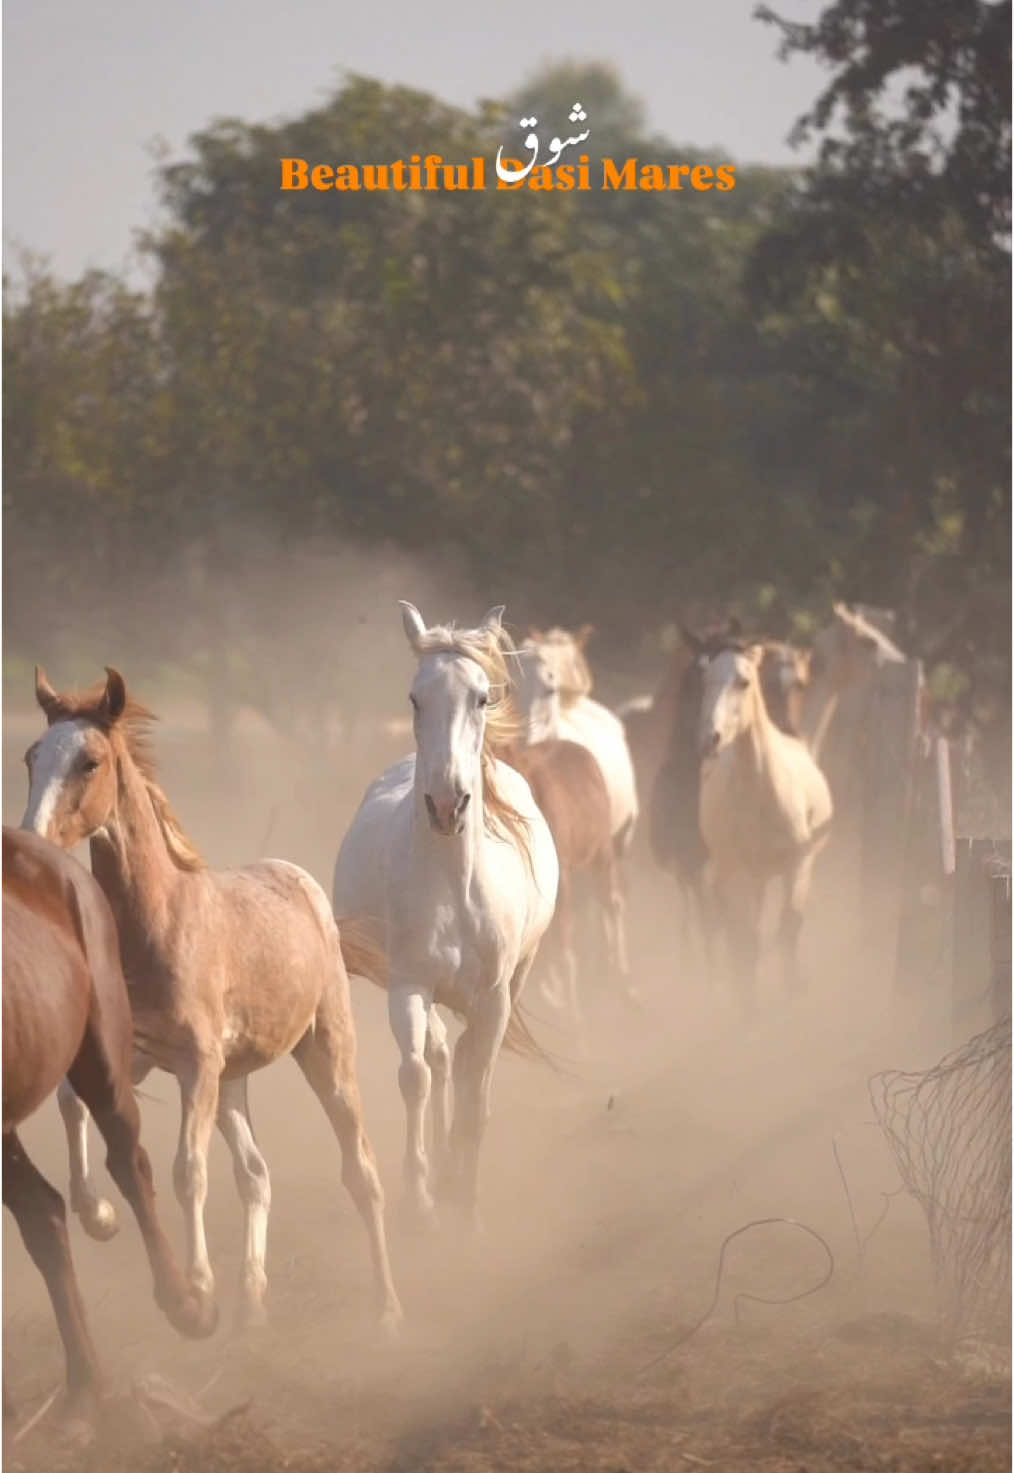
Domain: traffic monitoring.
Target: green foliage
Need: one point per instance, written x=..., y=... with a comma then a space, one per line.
x=630, y=406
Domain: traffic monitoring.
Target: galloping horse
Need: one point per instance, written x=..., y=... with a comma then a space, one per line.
x=561, y=671
x=66, y=1011
x=765, y=810
x=455, y=865
x=571, y=793
x=227, y=971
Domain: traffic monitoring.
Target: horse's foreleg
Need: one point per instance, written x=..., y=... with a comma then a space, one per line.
x=97, y=1213
x=474, y=1058
x=613, y=900
x=253, y=1183
x=198, y=1079
x=438, y=1057
x=327, y=1056
x=101, y=1079
x=408, y=1011
x=41, y=1216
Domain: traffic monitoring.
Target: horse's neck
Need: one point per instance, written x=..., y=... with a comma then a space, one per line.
x=755, y=748
x=543, y=721
x=819, y=705
x=132, y=863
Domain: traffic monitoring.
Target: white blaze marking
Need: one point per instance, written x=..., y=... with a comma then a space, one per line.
x=54, y=757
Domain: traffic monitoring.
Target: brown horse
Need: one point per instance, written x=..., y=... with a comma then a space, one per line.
x=66, y=1012
x=568, y=786
x=227, y=972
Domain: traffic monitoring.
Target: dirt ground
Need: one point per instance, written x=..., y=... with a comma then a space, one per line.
x=609, y=1187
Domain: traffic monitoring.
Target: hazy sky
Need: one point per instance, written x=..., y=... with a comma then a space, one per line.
x=88, y=86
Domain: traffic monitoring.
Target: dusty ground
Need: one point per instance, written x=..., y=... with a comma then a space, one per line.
x=609, y=1188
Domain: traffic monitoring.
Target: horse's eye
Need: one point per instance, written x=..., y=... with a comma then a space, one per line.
x=482, y=700
x=414, y=703
x=742, y=682
x=89, y=765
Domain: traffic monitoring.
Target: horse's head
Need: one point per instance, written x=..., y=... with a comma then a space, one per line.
x=537, y=688
x=72, y=781
x=451, y=696
x=729, y=697
x=564, y=651
x=850, y=649
x=784, y=675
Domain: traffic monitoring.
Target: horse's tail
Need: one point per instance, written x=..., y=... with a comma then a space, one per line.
x=362, y=953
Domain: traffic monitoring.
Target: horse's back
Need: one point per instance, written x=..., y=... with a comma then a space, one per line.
x=567, y=784
x=603, y=733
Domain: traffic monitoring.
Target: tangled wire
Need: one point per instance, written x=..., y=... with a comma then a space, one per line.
x=950, y=1131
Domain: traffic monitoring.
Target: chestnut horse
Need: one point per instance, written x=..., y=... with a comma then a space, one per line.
x=66, y=1012
x=568, y=787
x=227, y=972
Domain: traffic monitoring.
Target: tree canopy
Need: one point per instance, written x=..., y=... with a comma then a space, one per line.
x=621, y=406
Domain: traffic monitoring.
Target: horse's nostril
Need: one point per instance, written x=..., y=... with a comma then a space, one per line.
x=462, y=804
x=431, y=808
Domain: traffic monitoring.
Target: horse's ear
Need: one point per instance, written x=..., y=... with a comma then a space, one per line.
x=413, y=623
x=755, y=653
x=692, y=640
x=114, y=697
x=583, y=635
x=44, y=692
x=841, y=611
x=733, y=628
x=493, y=618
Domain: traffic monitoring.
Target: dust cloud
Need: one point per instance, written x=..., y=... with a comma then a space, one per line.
x=609, y=1181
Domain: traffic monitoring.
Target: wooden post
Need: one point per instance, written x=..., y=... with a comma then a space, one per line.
x=982, y=932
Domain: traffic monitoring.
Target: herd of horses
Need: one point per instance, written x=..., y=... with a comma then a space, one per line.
x=457, y=871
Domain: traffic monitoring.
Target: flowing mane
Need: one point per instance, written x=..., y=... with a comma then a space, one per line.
x=490, y=649
x=134, y=725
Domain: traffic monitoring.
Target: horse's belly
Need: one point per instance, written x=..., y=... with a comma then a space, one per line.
x=257, y=1029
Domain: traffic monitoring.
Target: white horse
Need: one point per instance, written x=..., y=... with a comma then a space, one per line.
x=554, y=695
x=765, y=811
x=453, y=863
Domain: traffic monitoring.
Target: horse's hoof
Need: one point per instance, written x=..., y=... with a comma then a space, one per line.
x=194, y=1314
x=98, y=1218
x=251, y=1314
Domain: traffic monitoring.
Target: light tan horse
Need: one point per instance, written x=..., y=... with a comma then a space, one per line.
x=227, y=971
x=765, y=811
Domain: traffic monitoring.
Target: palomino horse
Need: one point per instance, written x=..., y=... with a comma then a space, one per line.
x=562, y=673
x=451, y=858
x=571, y=793
x=227, y=972
x=66, y=1011
x=765, y=810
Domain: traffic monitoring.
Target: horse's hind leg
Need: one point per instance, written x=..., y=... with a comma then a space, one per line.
x=327, y=1056
x=254, y=1186
x=97, y=1213
x=106, y=1088
x=41, y=1216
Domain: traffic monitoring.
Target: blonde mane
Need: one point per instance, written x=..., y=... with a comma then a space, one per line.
x=490, y=649
x=134, y=726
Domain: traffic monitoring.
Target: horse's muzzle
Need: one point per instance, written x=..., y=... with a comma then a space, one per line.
x=448, y=817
